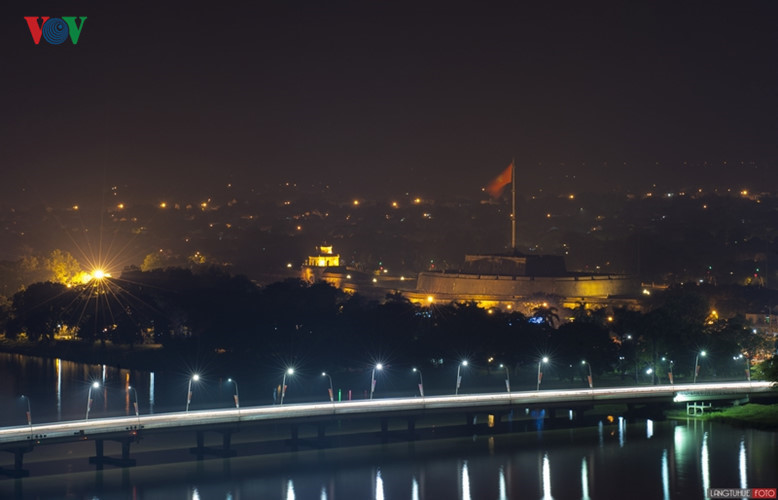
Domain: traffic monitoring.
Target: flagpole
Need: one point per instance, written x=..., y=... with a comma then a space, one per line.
x=513, y=206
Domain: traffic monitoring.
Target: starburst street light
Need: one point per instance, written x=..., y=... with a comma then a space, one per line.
x=507, y=377
x=379, y=366
x=459, y=377
x=748, y=365
x=289, y=371
x=697, y=363
x=94, y=385
x=235, y=396
x=544, y=359
x=193, y=378
x=421, y=381
x=331, y=390
x=591, y=380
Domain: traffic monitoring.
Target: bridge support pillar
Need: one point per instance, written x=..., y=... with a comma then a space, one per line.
x=321, y=430
x=470, y=421
x=100, y=459
x=225, y=451
x=18, y=470
x=412, y=429
x=295, y=439
x=384, y=430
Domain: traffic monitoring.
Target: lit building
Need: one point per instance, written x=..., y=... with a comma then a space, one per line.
x=316, y=265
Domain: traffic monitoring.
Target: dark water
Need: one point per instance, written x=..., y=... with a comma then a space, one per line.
x=636, y=459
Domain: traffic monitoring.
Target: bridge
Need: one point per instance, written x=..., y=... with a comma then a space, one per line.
x=128, y=429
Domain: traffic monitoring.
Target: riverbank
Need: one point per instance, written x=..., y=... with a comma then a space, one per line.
x=752, y=415
x=140, y=357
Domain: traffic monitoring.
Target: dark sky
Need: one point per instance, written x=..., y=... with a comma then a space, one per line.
x=381, y=98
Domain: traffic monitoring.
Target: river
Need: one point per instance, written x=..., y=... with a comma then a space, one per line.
x=618, y=459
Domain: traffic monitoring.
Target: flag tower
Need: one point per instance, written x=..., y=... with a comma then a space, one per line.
x=513, y=205
x=495, y=188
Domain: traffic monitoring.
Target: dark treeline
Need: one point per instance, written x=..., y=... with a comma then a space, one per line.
x=295, y=322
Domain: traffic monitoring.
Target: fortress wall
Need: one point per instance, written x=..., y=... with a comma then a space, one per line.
x=523, y=286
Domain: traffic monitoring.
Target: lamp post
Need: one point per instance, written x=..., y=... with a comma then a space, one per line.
x=194, y=378
x=135, y=403
x=235, y=396
x=29, y=413
x=421, y=381
x=459, y=377
x=591, y=380
x=289, y=371
x=748, y=365
x=507, y=377
x=697, y=364
x=544, y=359
x=670, y=371
x=379, y=366
x=94, y=385
x=332, y=391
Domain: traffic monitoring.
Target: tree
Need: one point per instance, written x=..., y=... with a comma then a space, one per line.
x=548, y=314
x=153, y=260
x=38, y=310
x=63, y=266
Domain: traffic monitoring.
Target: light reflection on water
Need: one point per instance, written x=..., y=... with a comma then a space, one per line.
x=379, y=485
x=705, y=464
x=584, y=480
x=665, y=476
x=676, y=462
x=742, y=463
x=546, y=478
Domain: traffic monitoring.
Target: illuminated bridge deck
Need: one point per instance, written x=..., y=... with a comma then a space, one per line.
x=22, y=439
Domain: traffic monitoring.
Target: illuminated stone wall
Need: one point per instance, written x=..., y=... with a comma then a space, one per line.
x=474, y=285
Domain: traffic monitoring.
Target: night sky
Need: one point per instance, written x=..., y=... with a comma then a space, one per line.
x=380, y=98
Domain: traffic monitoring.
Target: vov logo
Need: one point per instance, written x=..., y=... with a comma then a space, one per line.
x=55, y=30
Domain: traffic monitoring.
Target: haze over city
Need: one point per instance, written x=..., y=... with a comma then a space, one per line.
x=382, y=99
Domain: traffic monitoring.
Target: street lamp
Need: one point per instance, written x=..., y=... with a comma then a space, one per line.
x=195, y=378
x=29, y=413
x=591, y=380
x=748, y=365
x=670, y=371
x=379, y=366
x=459, y=377
x=507, y=377
x=697, y=364
x=131, y=388
x=544, y=359
x=421, y=381
x=94, y=385
x=332, y=395
x=289, y=371
x=235, y=396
